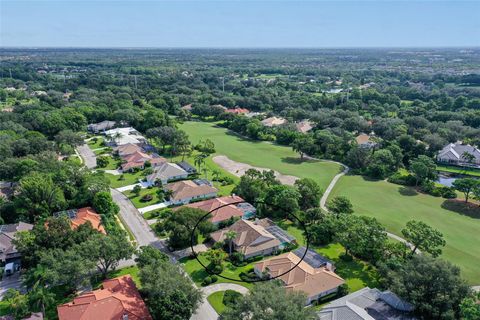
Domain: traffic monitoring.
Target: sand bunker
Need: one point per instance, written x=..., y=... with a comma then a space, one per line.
x=239, y=169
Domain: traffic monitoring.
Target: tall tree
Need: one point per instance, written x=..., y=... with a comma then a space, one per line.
x=423, y=168
x=270, y=301
x=434, y=286
x=423, y=237
x=466, y=185
x=169, y=294
x=340, y=205
x=310, y=193
x=107, y=251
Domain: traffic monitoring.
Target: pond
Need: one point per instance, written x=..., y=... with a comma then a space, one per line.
x=446, y=180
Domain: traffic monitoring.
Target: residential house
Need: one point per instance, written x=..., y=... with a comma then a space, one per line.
x=8, y=252
x=224, y=208
x=313, y=275
x=121, y=136
x=138, y=160
x=165, y=172
x=128, y=149
x=186, y=191
x=118, y=299
x=237, y=110
x=7, y=189
x=80, y=216
x=254, y=238
x=459, y=154
x=187, y=107
x=101, y=126
x=367, y=304
x=366, y=141
x=187, y=167
x=273, y=122
x=304, y=126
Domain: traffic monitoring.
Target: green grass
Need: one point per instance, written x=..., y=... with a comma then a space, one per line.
x=130, y=178
x=95, y=145
x=459, y=170
x=211, y=167
x=137, y=202
x=198, y=273
x=216, y=300
x=261, y=154
x=394, y=205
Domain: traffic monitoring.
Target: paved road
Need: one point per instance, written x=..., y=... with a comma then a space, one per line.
x=11, y=282
x=88, y=156
x=205, y=311
x=135, y=222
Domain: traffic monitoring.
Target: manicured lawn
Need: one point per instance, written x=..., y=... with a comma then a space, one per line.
x=261, y=154
x=459, y=170
x=129, y=178
x=198, y=273
x=137, y=201
x=394, y=205
x=216, y=300
x=211, y=168
x=95, y=145
x=112, y=163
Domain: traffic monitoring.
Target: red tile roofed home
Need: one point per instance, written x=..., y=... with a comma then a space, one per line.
x=238, y=110
x=240, y=208
x=138, y=159
x=80, y=216
x=118, y=300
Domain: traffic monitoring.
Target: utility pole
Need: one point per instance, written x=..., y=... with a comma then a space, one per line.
x=10, y=73
x=135, y=77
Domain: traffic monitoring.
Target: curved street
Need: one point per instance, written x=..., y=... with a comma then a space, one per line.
x=205, y=311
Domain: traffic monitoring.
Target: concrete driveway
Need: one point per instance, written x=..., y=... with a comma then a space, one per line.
x=205, y=311
x=88, y=156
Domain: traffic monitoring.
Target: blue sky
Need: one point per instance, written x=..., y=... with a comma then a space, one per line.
x=235, y=23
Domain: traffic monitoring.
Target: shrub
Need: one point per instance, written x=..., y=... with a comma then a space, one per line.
x=146, y=198
x=448, y=192
x=346, y=257
x=231, y=297
x=214, y=278
x=237, y=258
x=342, y=290
x=102, y=161
x=404, y=180
x=206, y=281
x=147, y=171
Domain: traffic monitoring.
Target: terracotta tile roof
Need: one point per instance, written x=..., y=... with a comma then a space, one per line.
x=85, y=215
x=363, y=139
x=251, y=238
x=188, y=189
x=127, y=149
x=119, y=297
x=138, y=159
x=237, y=110
x=223, y=213
x=304, y=126
x=273, y=121
x=304, y=277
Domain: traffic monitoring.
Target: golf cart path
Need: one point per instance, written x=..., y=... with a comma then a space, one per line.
x=205, y=311
x=238, y=169
x=330, y=187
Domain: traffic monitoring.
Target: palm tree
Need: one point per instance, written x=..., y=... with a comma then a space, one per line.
x=41, y=297
x=230, y=236
x=215, y=174
x=199, y=160
x=117, y=136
